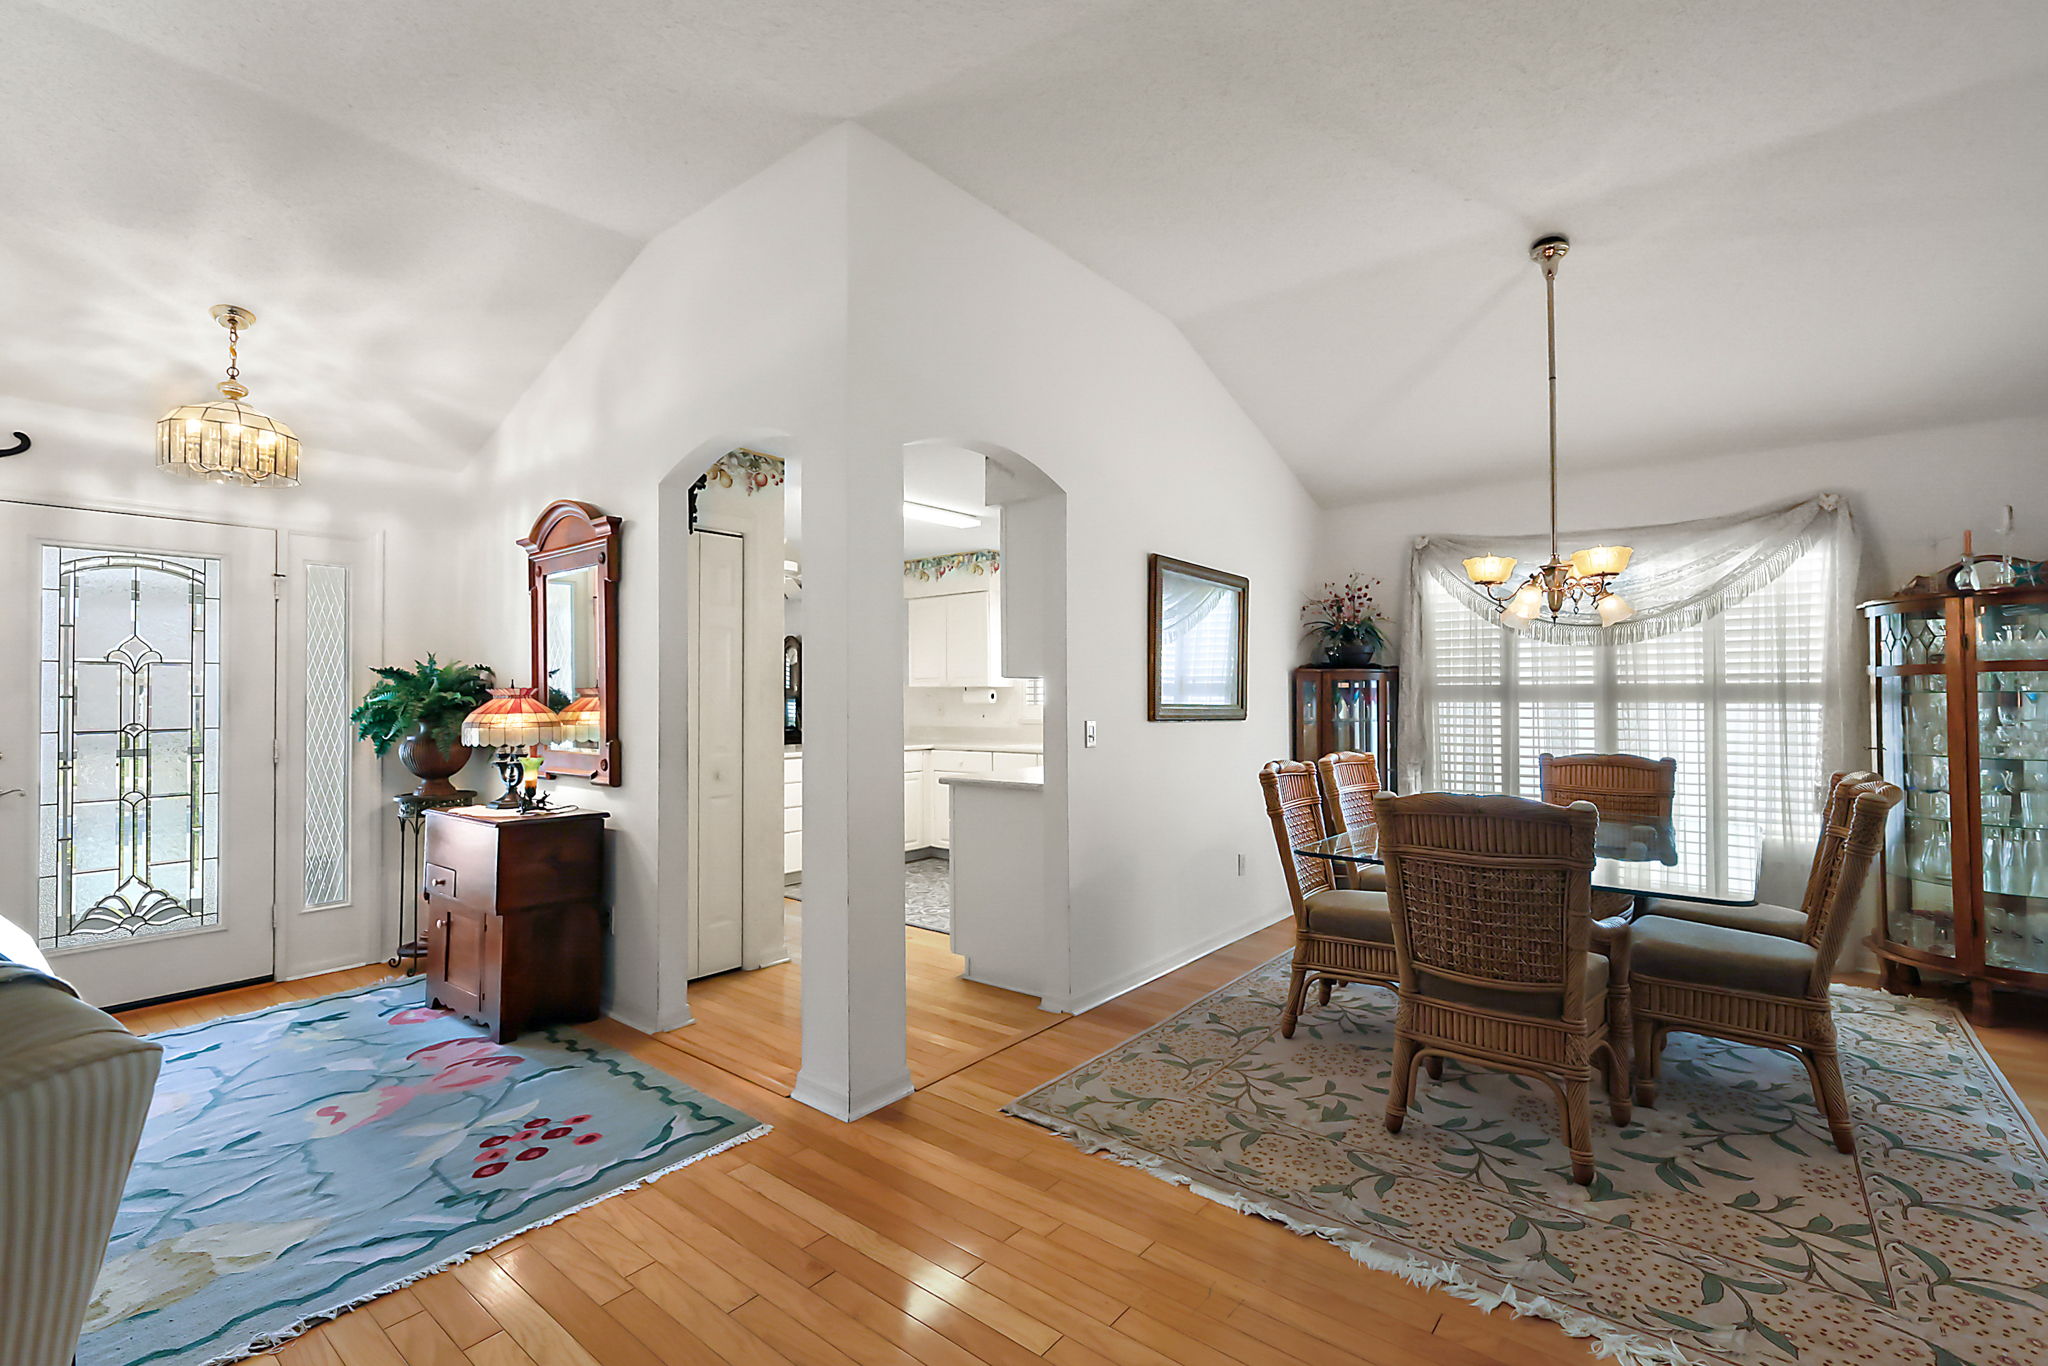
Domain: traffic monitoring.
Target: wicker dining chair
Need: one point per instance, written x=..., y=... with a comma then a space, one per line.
x=1349, y=780
x=1340, y=935
x=1499, y=959
x=1621, y=787
x=1788, y=881
x=1756, y=987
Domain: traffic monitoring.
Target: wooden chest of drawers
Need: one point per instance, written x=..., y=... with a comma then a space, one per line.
x=515, y=917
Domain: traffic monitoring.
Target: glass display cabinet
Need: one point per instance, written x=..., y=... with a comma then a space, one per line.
x=1340, y=709
x=1960, y=691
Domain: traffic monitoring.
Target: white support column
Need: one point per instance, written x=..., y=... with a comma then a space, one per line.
x=854, y=998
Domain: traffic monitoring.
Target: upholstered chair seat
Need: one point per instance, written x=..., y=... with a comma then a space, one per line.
x=1349, y=914
x=1784, y=870
x=1533, y=1007
x=1786, y=922
x=1717, y=956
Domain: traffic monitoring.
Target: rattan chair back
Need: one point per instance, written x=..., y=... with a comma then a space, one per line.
x=1870, y=800
x=1834, y=836
x=1621, y=786
x=1490, y=892
x=1349, y=781
x=1294, y=802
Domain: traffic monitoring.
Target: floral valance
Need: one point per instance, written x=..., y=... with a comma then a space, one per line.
x=1682, y=573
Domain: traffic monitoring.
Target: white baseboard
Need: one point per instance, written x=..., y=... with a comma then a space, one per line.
x=298, y=972
x=1092, y=997
x=826, y=1102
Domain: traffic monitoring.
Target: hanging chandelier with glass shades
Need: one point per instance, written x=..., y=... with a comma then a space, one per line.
x=1587, y=578
x=223, y=439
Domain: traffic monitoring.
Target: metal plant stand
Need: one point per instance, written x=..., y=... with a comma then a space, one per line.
x=412, y=822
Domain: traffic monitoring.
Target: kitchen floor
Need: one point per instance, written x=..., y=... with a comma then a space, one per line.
x=927, y=894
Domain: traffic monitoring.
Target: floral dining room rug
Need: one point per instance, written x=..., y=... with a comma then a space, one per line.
x=309, y=1157
x=1722, y=1225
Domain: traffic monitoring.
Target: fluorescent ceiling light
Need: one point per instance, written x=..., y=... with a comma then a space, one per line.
x=925, y=512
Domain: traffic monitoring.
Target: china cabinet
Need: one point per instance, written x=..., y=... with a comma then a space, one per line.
x=1346, y=709
x=1960, y=692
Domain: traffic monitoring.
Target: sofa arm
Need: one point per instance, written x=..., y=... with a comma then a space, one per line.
x=74, y=1089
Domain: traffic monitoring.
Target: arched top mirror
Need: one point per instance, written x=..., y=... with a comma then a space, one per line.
x=572, y=583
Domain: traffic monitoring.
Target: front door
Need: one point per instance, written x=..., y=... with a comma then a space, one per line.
x=137, y=720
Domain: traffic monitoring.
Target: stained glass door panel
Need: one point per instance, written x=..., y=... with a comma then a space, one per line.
x=141, y=737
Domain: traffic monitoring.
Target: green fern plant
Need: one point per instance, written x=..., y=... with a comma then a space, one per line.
x=430, y=695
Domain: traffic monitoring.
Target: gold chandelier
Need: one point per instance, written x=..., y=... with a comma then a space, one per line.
x=223, y=440
x=1588, y=576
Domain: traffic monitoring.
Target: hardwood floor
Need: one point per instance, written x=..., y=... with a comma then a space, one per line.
x=748, y=1022
x=935, y=1233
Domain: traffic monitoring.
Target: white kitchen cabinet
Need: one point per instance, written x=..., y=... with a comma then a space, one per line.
x=926, y=667
x=927, y=811
x=913, y=811
x=955, y=641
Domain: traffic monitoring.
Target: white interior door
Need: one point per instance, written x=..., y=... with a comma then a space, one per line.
x=717, y=706
x=138, y=729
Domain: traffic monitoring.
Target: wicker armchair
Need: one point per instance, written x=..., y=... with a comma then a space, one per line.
x=1340, y=935
x=1621, y=787
x=1349, y=780
x=1499, y=958
x=1757, y=987
x=1787, y=894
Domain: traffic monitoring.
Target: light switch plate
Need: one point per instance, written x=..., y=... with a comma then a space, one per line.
x=1088, y=738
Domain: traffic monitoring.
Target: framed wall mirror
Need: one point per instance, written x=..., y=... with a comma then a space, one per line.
x=1195, y=645
x=572, y=582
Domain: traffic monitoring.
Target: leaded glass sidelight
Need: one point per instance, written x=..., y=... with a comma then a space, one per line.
x=130, y=763
x=327, y=735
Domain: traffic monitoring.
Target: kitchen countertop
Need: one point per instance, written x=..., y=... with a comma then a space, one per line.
x=1027, y=779
x=987, y=746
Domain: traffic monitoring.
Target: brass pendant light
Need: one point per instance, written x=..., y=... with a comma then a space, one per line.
x=224, y=440
x=1588, y=576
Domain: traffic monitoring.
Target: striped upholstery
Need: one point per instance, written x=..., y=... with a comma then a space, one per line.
x=74, y=1088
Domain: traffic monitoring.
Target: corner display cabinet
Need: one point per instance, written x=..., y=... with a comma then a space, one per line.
x=1346, y=709
x=1960, y=684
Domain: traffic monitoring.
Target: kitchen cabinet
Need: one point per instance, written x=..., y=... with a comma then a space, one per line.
x=927, y=810
x=955, y=641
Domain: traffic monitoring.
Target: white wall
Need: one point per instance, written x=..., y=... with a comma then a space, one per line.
x=839, y=306
x=965, y=327
x=390, y=518
x=1911, y=494
x=727, y=330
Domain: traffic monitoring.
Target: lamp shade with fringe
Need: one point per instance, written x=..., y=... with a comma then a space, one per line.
x=513, y=719
x=584, y=719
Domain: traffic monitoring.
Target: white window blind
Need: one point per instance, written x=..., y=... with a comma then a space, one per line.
x=1737, y=700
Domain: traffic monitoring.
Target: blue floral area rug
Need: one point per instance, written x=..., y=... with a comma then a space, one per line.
x=1722, y=1227
x=309, y=1157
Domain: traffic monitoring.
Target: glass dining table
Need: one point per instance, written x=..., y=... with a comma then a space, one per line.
x=1633, y=858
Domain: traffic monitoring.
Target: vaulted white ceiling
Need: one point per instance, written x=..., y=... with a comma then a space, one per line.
x=1791, y=222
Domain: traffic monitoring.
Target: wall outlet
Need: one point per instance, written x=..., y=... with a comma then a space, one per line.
x=1088, y=735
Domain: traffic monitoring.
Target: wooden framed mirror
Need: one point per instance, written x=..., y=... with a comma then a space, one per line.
x=572, y=584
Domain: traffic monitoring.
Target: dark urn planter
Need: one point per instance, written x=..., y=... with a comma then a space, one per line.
x=1350, y=654
x=431, y=763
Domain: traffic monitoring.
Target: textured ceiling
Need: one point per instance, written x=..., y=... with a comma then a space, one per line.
x=1791, y=222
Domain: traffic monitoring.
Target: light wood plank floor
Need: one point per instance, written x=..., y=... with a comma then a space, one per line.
x=937, y=1232
x=749, y=1022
